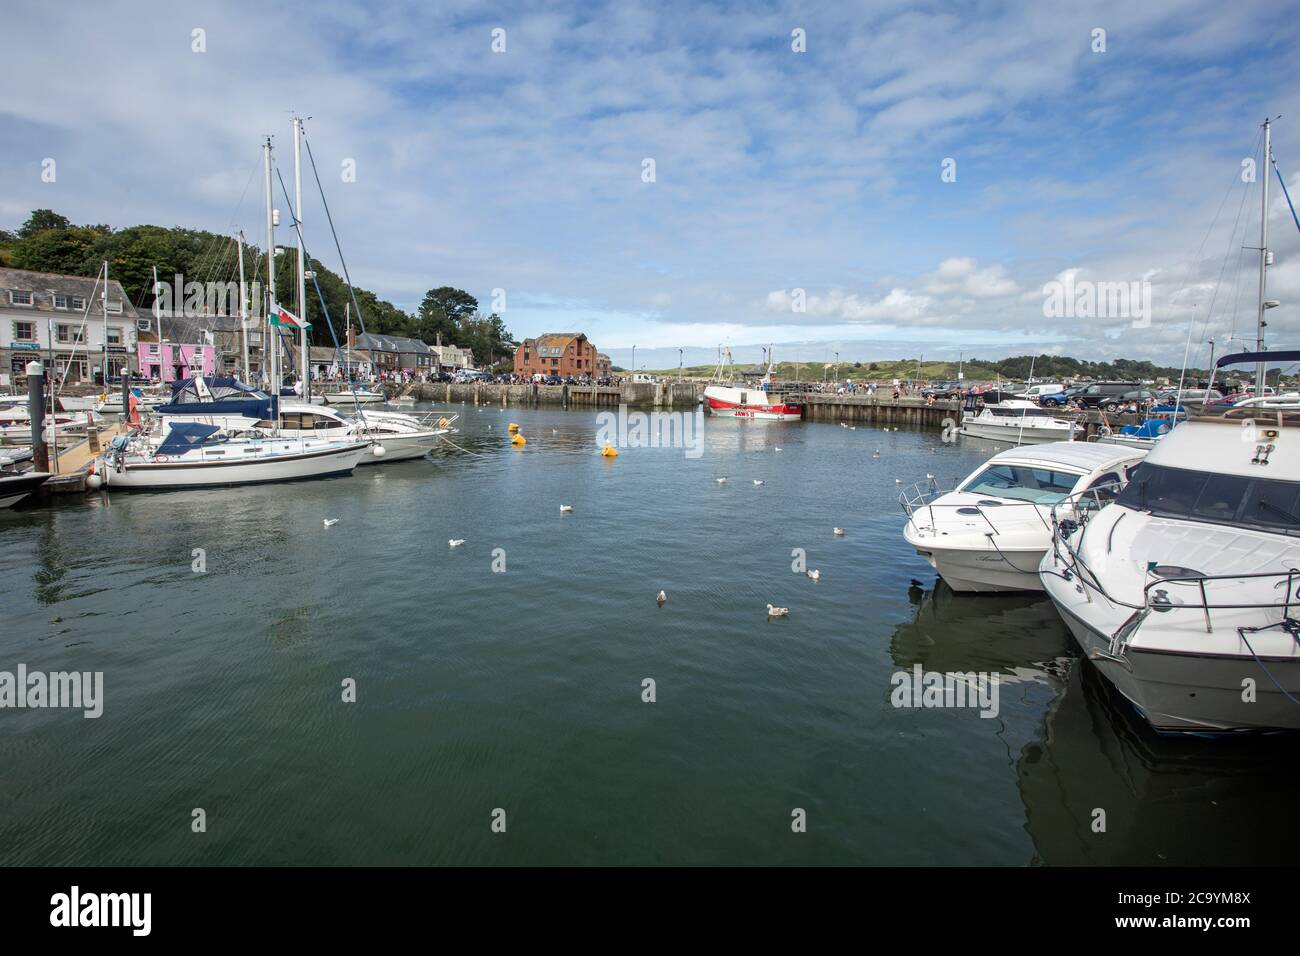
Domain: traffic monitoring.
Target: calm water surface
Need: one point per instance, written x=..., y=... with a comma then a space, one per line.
x=522, y=690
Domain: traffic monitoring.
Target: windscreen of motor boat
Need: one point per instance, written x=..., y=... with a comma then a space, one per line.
x=1039, y=485
x=1264, y=504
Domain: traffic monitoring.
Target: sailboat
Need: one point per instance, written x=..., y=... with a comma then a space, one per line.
x=186, y=454
x=354, y=394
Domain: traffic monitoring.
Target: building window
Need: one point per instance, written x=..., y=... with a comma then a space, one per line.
x=113, y=336
x=153, y=350
x=79, y=303
x=60, y=301
x=25, y=331
x=143, y=325
x=64, y=333
x=115, y=308
x=19, y=298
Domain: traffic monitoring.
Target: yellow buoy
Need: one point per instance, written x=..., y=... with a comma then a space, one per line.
x=609, y=451
x=519, y=440
x=512, y=428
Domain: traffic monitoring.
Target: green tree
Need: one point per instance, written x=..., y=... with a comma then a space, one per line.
x=68, y=251
x=41, y=220
x=442, y=312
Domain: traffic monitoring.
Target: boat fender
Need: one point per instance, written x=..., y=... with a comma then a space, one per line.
x=1104, y=431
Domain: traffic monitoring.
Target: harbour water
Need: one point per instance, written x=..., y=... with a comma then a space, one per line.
x=522, y=689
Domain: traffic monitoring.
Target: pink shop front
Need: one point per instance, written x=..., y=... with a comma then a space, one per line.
x=169, y=363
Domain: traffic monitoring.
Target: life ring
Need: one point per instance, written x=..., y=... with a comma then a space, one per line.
x=161, y=458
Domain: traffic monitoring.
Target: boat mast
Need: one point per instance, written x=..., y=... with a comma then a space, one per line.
x=1263, y=257
x=104, y=299
x=303, y=364
x=271, y=328
x=243, y=303
x=347, y=343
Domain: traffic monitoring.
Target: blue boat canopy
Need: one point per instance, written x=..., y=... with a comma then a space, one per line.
x=217, y=396
x=1254, y=358
x=185, y=435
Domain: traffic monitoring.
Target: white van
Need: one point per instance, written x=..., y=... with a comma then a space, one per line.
x=1034, y=392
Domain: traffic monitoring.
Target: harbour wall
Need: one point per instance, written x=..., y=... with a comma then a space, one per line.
x=656, y=394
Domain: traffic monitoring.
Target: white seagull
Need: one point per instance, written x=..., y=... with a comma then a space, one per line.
x=565, y=509
x=839, y=532
x=758, y=481
x=455, y=542
x=777, y=611
x=721, y=480
x=331, y=522
x=661, y=598
x=815, y=574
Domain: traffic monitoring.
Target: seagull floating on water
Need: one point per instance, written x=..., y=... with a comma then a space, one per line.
x=777, y=611
x=331, y=522
x=815, y=574
x=758, y=481
x=839, y=532
x=776, y=449
x=661, y=598
x=876, y=453
x=565, y=509
x=455, y=542
x=721, y=480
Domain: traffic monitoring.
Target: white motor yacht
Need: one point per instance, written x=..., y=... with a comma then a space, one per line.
x=1019, y=422
x=990, y=534
x=1185, y=590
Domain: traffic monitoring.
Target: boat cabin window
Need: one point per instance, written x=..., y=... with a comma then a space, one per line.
x=1023, y=483
x=1265, y=504
x=1020, y=412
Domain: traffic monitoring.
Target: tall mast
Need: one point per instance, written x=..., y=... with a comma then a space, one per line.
x=104, y=300
x=270, y=287
x=243, y=303
x=303, y=363
x=1263, y=257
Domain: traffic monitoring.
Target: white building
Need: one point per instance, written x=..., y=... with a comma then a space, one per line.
x=42, y=314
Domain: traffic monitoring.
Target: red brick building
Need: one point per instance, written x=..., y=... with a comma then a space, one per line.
x=556, y=353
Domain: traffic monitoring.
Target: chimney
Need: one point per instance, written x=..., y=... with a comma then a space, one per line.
x=439, y=337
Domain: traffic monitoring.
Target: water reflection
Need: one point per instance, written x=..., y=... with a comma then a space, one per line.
x=1085, y=749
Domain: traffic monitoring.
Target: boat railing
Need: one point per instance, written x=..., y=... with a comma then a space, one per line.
x=1155, y=592
x=921, y=497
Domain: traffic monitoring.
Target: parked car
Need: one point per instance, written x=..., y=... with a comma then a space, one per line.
x=553, y=380
x=1191, y=396
x=1064, y=397
x=1106, y=395
x=951, y=389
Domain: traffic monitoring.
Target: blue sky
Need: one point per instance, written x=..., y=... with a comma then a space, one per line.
x=775, y=170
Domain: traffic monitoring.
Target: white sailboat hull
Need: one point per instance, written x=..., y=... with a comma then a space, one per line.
x=160, y=475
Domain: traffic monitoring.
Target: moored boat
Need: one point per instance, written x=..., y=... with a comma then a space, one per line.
x=992, y=531
x=1018, y=422
x=1185, y=591
x=193, y=454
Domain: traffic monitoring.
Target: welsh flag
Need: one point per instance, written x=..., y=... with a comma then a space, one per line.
x=282, y=316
